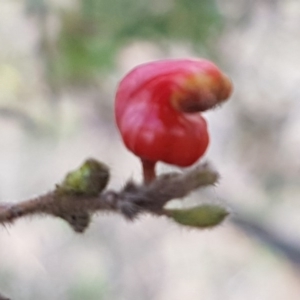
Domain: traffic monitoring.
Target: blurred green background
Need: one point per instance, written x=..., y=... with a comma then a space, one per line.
x=60, y=62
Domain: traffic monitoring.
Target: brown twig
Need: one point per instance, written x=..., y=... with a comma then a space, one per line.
x=131, y=201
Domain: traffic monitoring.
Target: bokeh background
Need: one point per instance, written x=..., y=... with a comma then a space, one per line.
x=60, y=62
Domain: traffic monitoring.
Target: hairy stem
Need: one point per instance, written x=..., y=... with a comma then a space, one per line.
x=77, y=209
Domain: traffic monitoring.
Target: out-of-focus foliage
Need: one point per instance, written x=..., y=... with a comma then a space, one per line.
x=94, y=31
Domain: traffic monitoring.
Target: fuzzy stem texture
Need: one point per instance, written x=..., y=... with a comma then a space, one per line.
x=77, y=207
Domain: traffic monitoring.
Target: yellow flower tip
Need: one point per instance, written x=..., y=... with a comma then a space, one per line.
x=199, y=92
x=226, y=88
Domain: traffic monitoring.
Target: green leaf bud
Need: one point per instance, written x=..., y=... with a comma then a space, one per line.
x=89, y=179
x=203, y=216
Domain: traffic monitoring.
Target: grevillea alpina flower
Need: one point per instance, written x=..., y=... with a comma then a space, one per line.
x=157, y=110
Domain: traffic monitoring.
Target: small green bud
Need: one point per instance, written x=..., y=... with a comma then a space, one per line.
x=203, y=216
x=89, y=179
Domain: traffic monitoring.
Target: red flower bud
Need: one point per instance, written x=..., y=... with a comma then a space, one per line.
x=156, y=105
